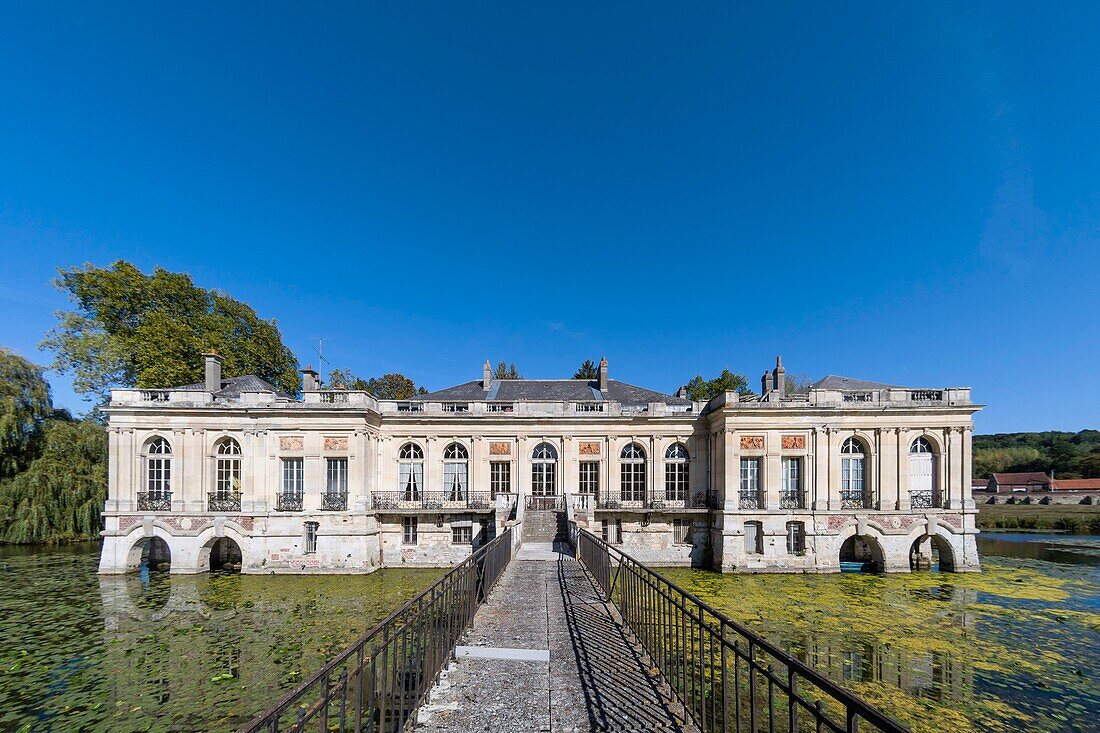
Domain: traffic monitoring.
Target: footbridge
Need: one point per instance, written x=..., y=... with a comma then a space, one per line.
x=559, y=631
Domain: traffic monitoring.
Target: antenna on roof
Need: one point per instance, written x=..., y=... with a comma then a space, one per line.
x=320, y=349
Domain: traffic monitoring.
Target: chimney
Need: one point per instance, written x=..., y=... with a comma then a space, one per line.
x=779, y=377
x=682, y=393
x=212, y=364
x=310, y=382
x=486, y=375
x=601, y=374
x=764, y=380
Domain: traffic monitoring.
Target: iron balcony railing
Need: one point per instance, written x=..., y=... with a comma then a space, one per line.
x=750, y=499
x=925, y=499
x=154, y=501
x=217, y=501
x=656, y=500
x=791, y=500
x=288, y=502
x=334, y=501
x=858, y=499
x=414, y=500
x=727, y=677
x=378, y=683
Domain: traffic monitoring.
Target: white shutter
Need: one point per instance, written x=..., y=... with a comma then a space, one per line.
x=920, y=472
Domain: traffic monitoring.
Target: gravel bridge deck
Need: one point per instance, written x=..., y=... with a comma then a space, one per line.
x=546, y=653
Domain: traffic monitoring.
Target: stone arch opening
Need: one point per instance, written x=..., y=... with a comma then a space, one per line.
x=150, y=554
x=225, y=556
x=932, y=553
x=862, y=553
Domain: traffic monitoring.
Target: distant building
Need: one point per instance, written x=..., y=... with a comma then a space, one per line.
x=1007, y=483
x=1036, y=487
x=233, y=472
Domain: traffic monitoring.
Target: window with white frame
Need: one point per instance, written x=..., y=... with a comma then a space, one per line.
x=749, y=497
x=408, y=531
x=612, y=531
x=683, y=531
x=923, y=491
x=158, y=468
x=588, y=481
x=853, y=490
x=632, y=472
x=293, y=477
x=791, y=493
x=500, y=478
x=462, y=535
x=796, y=538
x=336, y=471
x=410, y=471
x=754, y=538
x=676, y=472
x=227, y=476
x=309, y=542
x=544, y=470
x=455, y=471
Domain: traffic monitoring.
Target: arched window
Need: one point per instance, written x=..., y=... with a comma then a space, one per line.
x=410, y=471
x=923, y=492
x=544, y=470
x=455, y=471
x=853, y=489
x=158, y=471
x=227, y=475
x=632, y=472
x=676, y=472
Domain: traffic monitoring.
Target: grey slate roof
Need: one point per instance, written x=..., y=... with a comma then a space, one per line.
x=549, y=390
x=834, y=381
x=233, y=386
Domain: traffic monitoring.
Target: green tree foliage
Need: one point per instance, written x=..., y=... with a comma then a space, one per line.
x=24, y=406
x=507, y=371
x=587, y=371
x=1069, y=455
x=391, y=386
x=797, y=383
x=130, y=329
x=60, y=495
x=701, y=390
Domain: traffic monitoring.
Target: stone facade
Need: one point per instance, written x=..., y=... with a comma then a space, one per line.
x=339, y=482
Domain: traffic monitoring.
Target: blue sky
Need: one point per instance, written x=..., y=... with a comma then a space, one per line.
x=906, y=193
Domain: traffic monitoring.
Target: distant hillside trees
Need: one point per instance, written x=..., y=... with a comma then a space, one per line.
x=391, y=386
x=1069, y=455
x=53, y=469
x=129, y=329
x=702, y=390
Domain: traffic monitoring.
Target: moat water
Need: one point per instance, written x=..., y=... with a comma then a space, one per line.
x=1014, y=648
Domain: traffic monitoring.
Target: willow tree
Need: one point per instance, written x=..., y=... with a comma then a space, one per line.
x=24, y=406
x=129, y=329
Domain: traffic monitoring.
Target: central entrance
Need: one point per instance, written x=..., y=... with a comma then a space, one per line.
x=544, y=477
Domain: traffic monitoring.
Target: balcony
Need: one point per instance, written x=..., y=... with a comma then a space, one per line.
x=855, y=500
x=925, y=499
x=656, y=501
x=154, y=501
x=334, y=501
x=217, y=501
x=791, y=500
x=291, y=502
x=750, y=499
x=431, y=501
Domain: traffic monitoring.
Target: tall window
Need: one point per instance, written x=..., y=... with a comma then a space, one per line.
x=923, y=491
x=612, y=531
x=796, y=538
x=410, y=471
x=455, y=471
x=791, y=496
x=544, y=470
x=683, y=531
x=676, y=472
x=310, y=540
x=853, y=491
x=632, y=472
x=158, y=468
x=749, y=496
x=589, y=478
x=754, y=538
x=227, y=479
x=336, y=471
x=290, y=499
x=408, y=531
x=500, y=478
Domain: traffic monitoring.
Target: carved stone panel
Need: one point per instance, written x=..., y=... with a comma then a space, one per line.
x=500, y=449
x=589, y=449
x=794, y=442
x=291, y=442
x=336, y=443
x=752, y=442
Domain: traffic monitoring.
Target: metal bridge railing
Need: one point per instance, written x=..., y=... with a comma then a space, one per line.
x=377, y=684
x=727, y=677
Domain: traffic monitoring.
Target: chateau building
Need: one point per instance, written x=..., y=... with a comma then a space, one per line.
x=847, y=474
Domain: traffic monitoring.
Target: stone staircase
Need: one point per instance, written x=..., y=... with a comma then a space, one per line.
x=543, y=525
